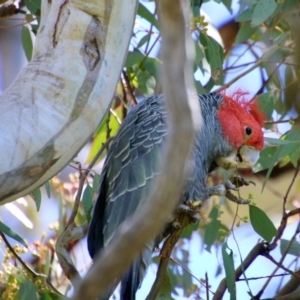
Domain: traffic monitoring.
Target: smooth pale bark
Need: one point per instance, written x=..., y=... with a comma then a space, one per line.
x=58, y=100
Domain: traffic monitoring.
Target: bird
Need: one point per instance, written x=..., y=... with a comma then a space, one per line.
x=231, y=135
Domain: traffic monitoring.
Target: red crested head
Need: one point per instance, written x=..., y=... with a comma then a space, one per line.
x=241, y=120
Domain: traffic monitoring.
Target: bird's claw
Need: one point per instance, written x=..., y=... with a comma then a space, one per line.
x=239, y=181
x=235, y=199
x=191, y=208
x=229, y=185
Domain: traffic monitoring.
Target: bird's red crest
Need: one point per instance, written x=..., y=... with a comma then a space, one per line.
x=238, y=112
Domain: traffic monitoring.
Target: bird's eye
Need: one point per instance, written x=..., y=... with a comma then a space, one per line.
x=248, y=130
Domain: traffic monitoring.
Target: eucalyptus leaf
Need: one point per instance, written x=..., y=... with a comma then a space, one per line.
x=6, y=230
x=293, y=250
x=229, y=270
x=27, y=291
x=165, y=289
x=36, y=195
x=212, y=230
x=261, y=223
x=262, y=11
x=27, y=42
x=147, y=15
x=245, y=32
x=87, y=201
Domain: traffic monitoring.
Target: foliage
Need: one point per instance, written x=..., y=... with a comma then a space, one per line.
x=266, y=29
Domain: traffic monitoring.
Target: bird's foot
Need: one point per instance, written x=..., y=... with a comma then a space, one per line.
x=236, y=199
x=237, y=182
x=232, y=184
x=190, y=208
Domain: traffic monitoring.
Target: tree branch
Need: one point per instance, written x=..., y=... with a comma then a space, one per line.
x=58, y=100
x=137, y=231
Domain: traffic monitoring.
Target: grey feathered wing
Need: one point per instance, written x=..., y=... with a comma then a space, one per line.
x=134, y=160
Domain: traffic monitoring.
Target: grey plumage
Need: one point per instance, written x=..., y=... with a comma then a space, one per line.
x=134, y=160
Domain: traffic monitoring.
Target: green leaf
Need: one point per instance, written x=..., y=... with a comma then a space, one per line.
x=276, y=53
x=277, y=142
x=6, y=230
x=101, y=133
x=165, y=289
x=212, y=230
x=293, y=250
x=294, y=157
x=199, y=87
x=227, y=4
x=261, y=223
x=133, y=57
x=244, y=16
x=87, y=201
x=291, y=89
x=245, y=33
x=96, y=182
x=49, y=296
x=27, y=42
x=195, y=7
x=265, y=159
x=214, y=55
x=27, y=291
x=151, y=65
x=199, y=54
x=266, y=103
x=188, y=230
x=147, y=15
x=44, y=296
x=229, y=270
x=34, y=6
x=48, y=189
x=146, y=83
x=36, y=195
x=293, y=137
x=262, y=11
x=144, y=40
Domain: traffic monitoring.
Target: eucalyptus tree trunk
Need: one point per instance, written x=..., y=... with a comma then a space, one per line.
x=57, y=101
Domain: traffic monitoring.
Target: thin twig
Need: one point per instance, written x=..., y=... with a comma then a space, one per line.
x=129, y=88
x=228, y=84
x=290, y=286
x=285, y=215
x=71, y=232
x=189, y=272
x=263, y=277
x=82, y=181
x=279, y=264
x=279, y=121
x=206, y=286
